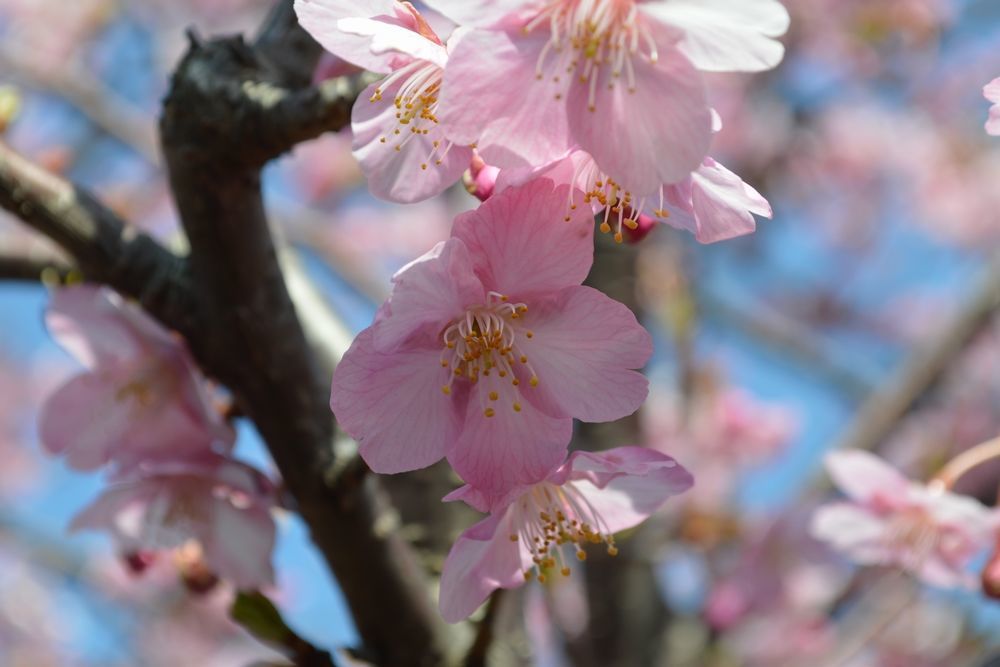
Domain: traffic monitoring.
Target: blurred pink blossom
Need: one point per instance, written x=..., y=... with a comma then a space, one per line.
x=583, y=501
x=221, y=504
x=141, y=397
x=992, y=93
x=890, y=520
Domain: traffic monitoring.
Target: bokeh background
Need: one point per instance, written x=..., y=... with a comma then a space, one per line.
x=884, y=248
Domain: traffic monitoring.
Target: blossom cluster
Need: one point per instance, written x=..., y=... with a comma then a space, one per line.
x=143, y=411
x=489, y=346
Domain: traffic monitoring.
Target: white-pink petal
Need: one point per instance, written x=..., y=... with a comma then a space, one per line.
x=514, y=119
x=862, y=476
x=393, y=405
x=511, y=447
x=992, y=93
x=725, y=35
x=522, y=245
x=658, y=132
x=420, y=168
x=482, y=560
x=320, y=19
x=584, y=347
x=430, y=291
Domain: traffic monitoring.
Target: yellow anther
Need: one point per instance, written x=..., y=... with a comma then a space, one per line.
x=612, y=550
x=446, y=390
x=494, y=396
x=444, y=364
x=565, y=571
x=618, y=237
x=524, y=359
x=489, y=412
x=581, y=555
x=529, y=334
x=605, y=228
x=541, y=578
x=517, y=407
x=631, y=224
x=534, y=381
x=513, y=538
x=515, y=382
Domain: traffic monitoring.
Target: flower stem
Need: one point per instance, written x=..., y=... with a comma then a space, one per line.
x=966, y=461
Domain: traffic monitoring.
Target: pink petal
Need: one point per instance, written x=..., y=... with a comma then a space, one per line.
x=83, y=420
x=239, y=545
x=484, y=501
x=516, y=121
x=400, y=176
x=388, y=39
x=725, y=35
x=103, y=512
x=657, y=134
x=852, y=530
x=992, y=93
x=723, y=204
x=392, y=404
x=484, y=13
x=863, y=476
x=646, y=479
x=509, y=448
x=93, y=325
x=320, y=19
x=430, y=291
x=521, y=245
x=482, y=560
x=583, y=349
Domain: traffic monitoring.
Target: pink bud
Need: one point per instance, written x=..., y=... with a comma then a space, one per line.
x=137, y=562
x=645, y=225
x=991, y=574
x=480, y=179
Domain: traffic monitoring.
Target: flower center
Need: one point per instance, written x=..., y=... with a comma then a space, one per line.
x=592, y=42
x=484, y=344
x=913, y=535
x=611, y=199
x=553, y=518
x=416, y=108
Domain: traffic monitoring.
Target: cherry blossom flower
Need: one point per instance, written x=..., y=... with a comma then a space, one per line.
x=711, y=202
x=222, y=505
x=142, y=397
x=489, y=346
x=619, y=78
x=584, y=501
x=890, y=520
x=397, y=137
x=992, y=92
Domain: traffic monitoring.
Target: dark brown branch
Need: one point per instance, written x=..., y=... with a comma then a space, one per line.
x=228, y=112
x=105, y=248
x=926, y=366
x=25, y=268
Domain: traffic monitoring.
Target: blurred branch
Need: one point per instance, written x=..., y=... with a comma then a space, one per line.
x=74, y=83
x=33, y=268
x=787, y=337
x=105, y=248
x=926, y=366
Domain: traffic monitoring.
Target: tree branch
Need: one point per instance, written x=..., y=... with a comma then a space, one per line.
x=926, y=366
x=106, y=249
x=228, y=112
x=32, y=268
